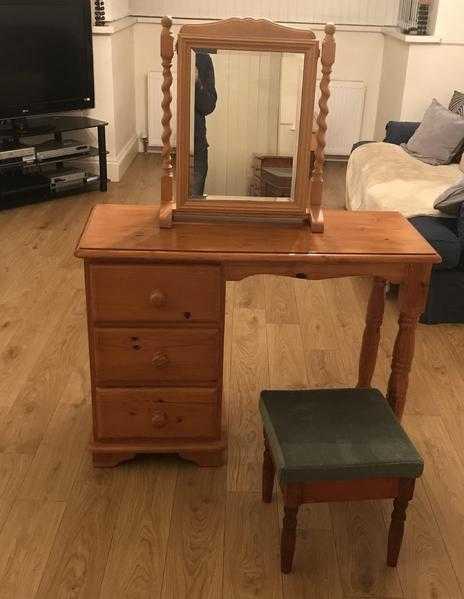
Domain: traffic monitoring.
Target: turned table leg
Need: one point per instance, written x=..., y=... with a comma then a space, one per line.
x=398, y=518
x=403, y=354
x=371, y=337
x=268, y=473
x=412, y=298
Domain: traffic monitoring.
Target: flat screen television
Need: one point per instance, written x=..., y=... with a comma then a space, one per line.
x=46, y=59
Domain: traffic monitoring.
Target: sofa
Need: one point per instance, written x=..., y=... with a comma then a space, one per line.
x=414, y=184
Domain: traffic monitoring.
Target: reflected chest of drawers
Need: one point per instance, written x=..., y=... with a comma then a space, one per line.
x=155, y=307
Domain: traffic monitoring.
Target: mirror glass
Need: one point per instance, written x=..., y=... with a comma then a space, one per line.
x=244, y=113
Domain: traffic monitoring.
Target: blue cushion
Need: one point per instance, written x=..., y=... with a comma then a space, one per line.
x=400, y=132
x=336, y=434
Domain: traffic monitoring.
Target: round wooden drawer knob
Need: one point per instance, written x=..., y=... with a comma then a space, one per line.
x=160, y=359
x=159, y=419
x=158, y=298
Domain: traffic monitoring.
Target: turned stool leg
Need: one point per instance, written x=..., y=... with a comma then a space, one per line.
x=288, y=539
x=396, y=532
x=268, y=473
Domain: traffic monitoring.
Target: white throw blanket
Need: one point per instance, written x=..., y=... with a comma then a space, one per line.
x=383, y=177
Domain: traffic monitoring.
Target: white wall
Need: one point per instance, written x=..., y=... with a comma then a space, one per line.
x=117, y=9
x=123, y=86
x=115, y=96
x=449, y=24
x=394, y=69
x=445, y=76
x=359, y=58
x=366, y=12
x=414, y=73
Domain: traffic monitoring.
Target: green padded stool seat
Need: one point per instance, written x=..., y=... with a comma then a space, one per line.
x=336, y=434
x=336, y=445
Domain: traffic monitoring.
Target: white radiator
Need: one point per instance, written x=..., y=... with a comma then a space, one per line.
x=346, y=110
x=346, y=106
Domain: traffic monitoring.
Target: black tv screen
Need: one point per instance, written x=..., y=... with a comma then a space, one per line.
x=46, y=61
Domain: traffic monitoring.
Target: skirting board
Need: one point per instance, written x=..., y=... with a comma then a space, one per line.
x=116, y=166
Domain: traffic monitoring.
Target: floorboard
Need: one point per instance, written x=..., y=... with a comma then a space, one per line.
x=158, y=527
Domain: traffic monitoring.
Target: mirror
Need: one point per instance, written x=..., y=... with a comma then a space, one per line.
x=244, y=118
x=245, y=106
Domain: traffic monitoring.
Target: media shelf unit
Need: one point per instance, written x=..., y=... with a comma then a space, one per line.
x=24, y=183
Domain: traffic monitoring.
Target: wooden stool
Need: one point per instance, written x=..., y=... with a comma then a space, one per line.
x=336, y=445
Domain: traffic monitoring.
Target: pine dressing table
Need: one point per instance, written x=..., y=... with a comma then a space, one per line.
x=155, y=301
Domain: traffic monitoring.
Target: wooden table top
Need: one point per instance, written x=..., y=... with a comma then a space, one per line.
x=131, y=231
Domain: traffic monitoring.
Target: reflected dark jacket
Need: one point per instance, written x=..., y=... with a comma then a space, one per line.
x=205, y=97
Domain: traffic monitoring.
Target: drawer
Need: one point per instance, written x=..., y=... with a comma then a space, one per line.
x=148, y=357
x=154, y=293
x=155, y=414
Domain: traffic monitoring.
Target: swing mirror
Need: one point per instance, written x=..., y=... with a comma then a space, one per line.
x=245, y=119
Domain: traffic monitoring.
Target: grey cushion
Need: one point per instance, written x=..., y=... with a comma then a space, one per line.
x=439, y=137
x=451, y=200
x=336, y=434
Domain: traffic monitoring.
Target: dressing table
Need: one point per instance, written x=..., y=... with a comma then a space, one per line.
x=155, y=302
x=156, y=275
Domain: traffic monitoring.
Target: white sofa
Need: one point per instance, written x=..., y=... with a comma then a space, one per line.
x=383, y=177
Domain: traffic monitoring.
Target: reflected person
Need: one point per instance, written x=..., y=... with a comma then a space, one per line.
x=205, y=103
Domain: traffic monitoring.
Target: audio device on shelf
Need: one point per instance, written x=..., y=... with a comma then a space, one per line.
x=53, y=150
x=17, y=154
x=66, y=179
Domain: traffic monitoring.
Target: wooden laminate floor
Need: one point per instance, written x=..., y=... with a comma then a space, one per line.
x=159, y=526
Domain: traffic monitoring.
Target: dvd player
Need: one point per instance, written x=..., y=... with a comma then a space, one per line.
x=66, y=178
x=54, y=150
x=17, y=155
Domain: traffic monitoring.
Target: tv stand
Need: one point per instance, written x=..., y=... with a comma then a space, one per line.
x=24, y=183
x=23, y=126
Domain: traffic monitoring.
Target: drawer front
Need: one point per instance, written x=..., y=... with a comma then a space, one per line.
x=148, y=357
x=154, y=293
x=145, y=414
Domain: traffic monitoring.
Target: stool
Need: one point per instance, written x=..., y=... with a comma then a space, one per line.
x=336, y=445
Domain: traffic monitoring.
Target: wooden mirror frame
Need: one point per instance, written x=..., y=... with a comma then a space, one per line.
x=258, y=36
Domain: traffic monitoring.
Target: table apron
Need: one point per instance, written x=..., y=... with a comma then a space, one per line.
x=392, y=272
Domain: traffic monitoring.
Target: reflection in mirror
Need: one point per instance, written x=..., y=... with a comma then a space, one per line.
x=244, y=123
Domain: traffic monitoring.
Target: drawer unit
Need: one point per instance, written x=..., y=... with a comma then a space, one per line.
x=154, y=293
x=156, y=413
x=149, y=357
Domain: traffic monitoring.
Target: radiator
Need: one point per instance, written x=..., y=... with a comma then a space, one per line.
x=346, y=109
x=346, y=106
x=414, y=15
